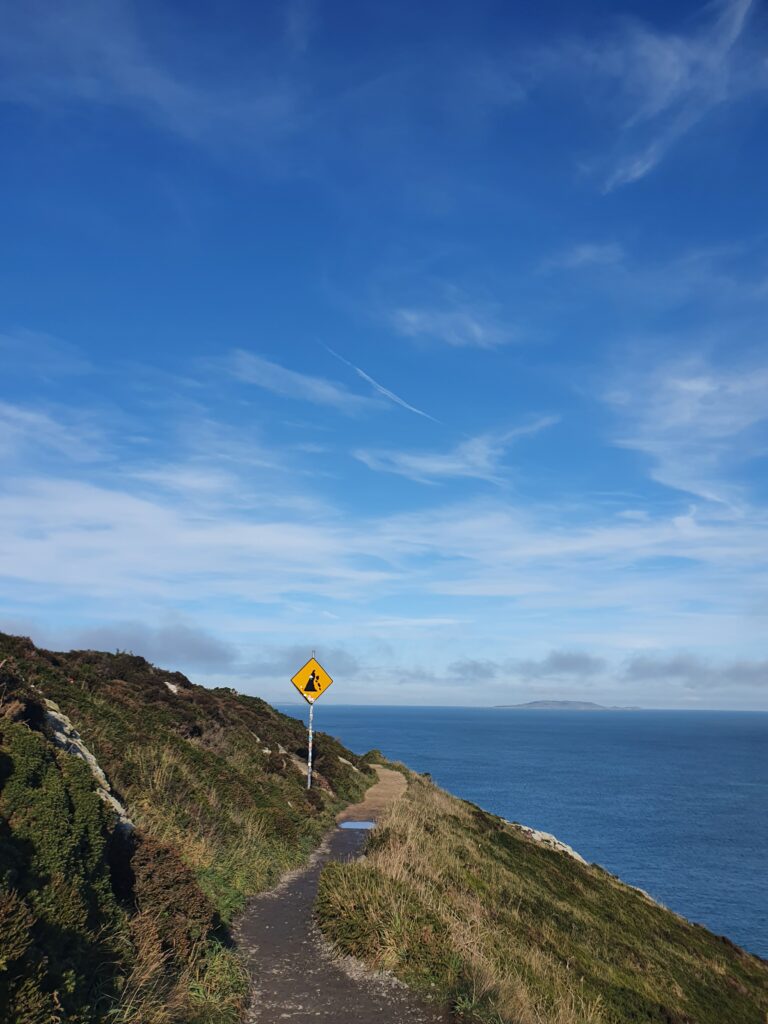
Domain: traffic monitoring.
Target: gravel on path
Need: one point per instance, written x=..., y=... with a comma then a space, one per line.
x=296, y=976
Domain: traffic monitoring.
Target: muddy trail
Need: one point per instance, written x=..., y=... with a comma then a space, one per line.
x=296, y=977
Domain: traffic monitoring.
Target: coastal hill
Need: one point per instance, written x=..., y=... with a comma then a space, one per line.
x=140, y=812
x=565, y=705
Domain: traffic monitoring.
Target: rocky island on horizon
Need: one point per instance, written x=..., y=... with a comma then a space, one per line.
x=566, y=705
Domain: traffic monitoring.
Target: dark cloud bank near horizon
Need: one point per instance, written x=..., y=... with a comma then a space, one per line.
x=179, y=646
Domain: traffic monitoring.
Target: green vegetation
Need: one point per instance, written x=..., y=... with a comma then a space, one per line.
x=58, y=914
x=130, y=926
x=463, y=906
x=104, y=923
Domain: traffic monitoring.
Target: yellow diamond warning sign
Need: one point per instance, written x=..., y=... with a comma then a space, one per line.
x=311, y=680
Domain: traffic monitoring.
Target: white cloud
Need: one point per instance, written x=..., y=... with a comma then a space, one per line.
x=662, y=83
x=587, y=254
x=68, y=544
x=95, y=52
x=34, y=353
x=492, y=576
x=727, y=278
x=187, y=478
x=478, y=457
x=696, y=422
x=458, y=324
x=669, y=580
x=673, y=81
x=77, y=537
x=23, y=430
x=300, y=387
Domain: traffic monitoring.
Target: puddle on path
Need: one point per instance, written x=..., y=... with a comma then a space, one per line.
x=357, y=824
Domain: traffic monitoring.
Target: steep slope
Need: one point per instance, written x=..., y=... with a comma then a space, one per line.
x=511, y=928
x=138, y=812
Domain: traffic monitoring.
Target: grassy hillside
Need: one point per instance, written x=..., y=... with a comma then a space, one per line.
x=130, y=924
x=465, y=907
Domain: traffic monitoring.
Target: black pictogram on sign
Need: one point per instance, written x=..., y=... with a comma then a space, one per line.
x=311, y=687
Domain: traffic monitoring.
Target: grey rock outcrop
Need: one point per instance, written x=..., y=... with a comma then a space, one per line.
x=67, y=738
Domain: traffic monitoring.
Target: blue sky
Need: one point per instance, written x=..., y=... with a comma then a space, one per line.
x=430, y=336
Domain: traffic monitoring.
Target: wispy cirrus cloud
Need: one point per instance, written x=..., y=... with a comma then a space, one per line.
x=96, y=53
x=108, y=55
x=672, y=81
x=698, y=423
x=253, y=369
x=98, y=539
x=675, y=80
x=728, y=278
x=456, y=322
x=478, y=457
x=34, y=353
x=586, y=254
x=662, y=83
x=22, y=429
x=186, y=479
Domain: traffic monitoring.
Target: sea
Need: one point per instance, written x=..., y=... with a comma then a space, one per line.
x=675, y=802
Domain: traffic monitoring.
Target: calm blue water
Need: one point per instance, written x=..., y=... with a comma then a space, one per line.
x=675, y=802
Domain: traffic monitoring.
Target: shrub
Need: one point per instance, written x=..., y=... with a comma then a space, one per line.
x=60, y=919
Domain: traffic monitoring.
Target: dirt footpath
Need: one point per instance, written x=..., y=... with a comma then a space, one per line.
x=295, y=975
x=391, y=786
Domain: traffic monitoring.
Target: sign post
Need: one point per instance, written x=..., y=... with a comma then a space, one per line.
x=309, y=750
x=311, y=681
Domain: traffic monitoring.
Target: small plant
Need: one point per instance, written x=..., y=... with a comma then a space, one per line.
x=218, y=985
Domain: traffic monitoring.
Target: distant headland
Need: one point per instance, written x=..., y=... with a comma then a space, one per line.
x=565, y=705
